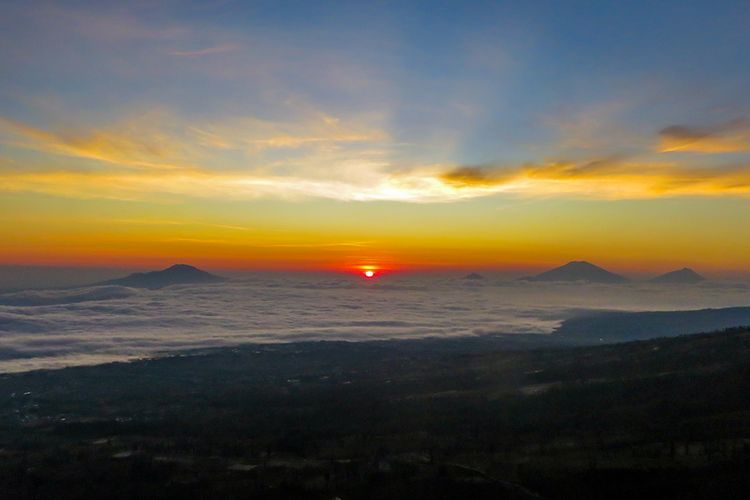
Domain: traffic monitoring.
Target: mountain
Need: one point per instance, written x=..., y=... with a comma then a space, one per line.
x=578, y=271
x=684, y=275
x=179, y=274
x=474, y=276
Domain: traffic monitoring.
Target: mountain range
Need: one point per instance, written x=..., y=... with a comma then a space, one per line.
x=580, y=270
x=575, y=271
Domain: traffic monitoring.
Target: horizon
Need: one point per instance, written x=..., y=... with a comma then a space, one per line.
x=18, y=277
x=285, y=136
x=73, y=317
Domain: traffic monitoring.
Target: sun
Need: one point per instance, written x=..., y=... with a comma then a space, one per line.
x=368, y=271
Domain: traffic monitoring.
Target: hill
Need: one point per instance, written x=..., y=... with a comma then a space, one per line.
x=432, y=418
x=179, y=274
x=608, y=327
x=680, y=276
x=578, y=271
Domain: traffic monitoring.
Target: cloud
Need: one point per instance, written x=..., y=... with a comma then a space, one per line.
x=163, y=141
x=598, y=128
x=314, y=129
x=316, y=155
x=146, y=185
x=132, y=143
x=730, y=137
x=606, y=178
x=55, y=328
x=468, y=177
x=50, y=297
x=313, y=155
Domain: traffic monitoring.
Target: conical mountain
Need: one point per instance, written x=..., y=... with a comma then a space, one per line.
x=473, y=276
x=680, y=276
x=179, y=274
x=579, y=270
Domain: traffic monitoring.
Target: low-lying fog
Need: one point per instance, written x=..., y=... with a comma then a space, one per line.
x=55, y=328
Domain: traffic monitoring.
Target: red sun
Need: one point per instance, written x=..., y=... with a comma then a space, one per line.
x=369, y=273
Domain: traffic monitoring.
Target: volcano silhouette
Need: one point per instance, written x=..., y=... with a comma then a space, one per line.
x=578, y=270
x=680, y=276
x=179, y=274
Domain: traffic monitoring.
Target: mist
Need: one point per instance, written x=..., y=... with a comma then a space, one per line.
x=53, y=328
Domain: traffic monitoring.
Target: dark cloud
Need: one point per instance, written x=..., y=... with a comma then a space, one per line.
x=474, y=176
x=612, y=177
x=493, y=175
x=729, y=137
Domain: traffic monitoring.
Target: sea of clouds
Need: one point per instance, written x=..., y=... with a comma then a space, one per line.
x=87, y=325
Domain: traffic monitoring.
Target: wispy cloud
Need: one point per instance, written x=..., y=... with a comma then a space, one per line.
x=597, y=127
x=134, y=143
x=163, y=222
x=316, y=155
x=159, y=140
x=310, y=129
x=730, y=137
x=596, y=179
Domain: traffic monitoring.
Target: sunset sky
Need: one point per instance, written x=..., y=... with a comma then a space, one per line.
x=401, y=135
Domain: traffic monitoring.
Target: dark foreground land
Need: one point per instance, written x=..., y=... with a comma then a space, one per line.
x=665, y=418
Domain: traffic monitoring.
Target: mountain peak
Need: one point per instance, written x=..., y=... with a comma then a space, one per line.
x=684, y=275
x=181, y=268
x=473, y=276
x=580, y=264
x=579, y=270
x=178, y=274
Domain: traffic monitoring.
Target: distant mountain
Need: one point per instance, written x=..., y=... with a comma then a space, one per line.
x=684, y=275
x=473, y=276
x=578, y=271
x=179, y=274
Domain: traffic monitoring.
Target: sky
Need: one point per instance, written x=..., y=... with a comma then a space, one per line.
x=401, y=135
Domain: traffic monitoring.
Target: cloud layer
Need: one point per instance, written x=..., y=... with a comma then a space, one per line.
x=324, y=157
x=45, y=329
